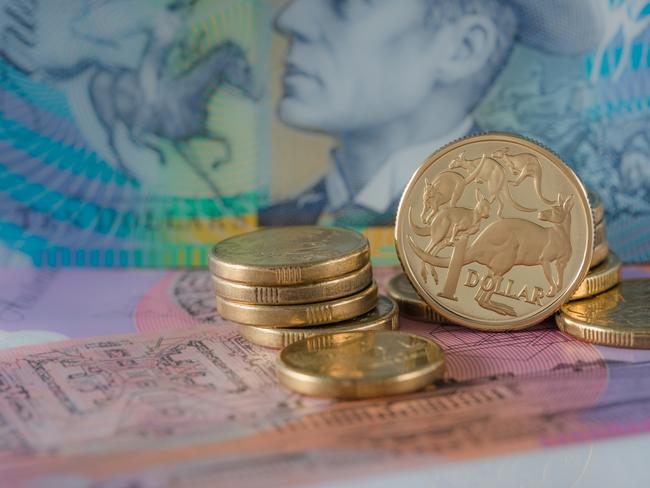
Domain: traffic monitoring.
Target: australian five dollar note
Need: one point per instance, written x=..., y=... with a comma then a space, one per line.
x=140, y=134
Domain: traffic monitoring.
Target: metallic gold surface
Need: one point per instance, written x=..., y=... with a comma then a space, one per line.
x=303, y=315
x=618, y=317
x=382, y=317
x=597, y=206
x=285, y=295
x=495, y=232
x=360, y=364
x=600, y=278
x=410, y=303
x=289, y=255
x=600, y=254
x=600, y=234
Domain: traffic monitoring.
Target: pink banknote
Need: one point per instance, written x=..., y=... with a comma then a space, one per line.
x=42, y=305
x=189, y=399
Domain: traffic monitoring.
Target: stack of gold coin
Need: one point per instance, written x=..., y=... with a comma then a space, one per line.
x=617, y=317
x=600, y=298
x=283, y=284
x=411, y=305
x=480, y=250
x=601, y=246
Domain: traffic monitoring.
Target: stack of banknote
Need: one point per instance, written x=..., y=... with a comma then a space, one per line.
x=288, y=283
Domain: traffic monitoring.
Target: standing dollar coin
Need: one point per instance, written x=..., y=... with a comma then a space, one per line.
x=495, y=232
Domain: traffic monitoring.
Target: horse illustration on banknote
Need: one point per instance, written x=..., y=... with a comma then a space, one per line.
x=148, y=100
x=503, y=243
x=155, y=104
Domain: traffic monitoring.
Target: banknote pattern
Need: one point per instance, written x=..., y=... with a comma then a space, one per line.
x=135, y=144
x=206, y=386
x=592, y=110
x=140, y=141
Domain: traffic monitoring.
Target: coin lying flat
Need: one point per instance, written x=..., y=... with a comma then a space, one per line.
x=410, y=303
x=495, y=232
x=597, y=207
x=289, y=255
x=618, y=317
x=382, y=317
x=284, y=295
x=360, y=364
x=601, y=251
x=600, y=278
x=303, y=315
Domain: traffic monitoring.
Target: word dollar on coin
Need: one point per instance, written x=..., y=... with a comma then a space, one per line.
x=495, y=232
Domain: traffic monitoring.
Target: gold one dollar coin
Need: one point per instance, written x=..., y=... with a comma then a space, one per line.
x=303, y=315
x=495, y=232
x=354, y=365
x=289, y=255
x=618, y=317
x=600, y=278
x=410, y=303
x=382, y=317
x=284, y=295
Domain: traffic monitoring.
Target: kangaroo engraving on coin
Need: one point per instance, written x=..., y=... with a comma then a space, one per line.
x=495, y=252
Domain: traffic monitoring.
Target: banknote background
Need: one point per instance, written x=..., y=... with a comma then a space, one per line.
x=173, y=181
x=137, y=135
x=139, y=409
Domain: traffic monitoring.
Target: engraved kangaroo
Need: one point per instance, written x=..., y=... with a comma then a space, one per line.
x=448, y=225
x=446, y=188
x=523, y=165
x=506, y=243
x=487, y=170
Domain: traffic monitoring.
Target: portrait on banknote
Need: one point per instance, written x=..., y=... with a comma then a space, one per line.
x=394, y=82
x=374, y=87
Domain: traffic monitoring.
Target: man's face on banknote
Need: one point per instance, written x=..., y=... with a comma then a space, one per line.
x=355, y=63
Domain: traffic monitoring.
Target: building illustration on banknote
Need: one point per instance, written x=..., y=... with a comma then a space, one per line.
x=140, y=141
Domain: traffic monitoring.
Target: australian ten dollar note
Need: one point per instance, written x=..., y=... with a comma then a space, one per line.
x=138, y=135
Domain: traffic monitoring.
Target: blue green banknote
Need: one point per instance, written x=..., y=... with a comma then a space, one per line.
x=130, y=132
x=139, y=133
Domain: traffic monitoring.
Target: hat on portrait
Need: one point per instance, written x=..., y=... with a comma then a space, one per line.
x=565, y=27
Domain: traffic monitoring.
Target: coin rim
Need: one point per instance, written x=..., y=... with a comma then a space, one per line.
x=287, y=316
x=351, y=389
x=599, y=334
x=595, y=283
x=599, y=208
x=338, y=287
x=600, y=233
x=277, y=338
x=600, y=253
x=412, y=308
x=291, y=274
x=560, y=298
